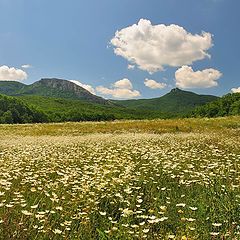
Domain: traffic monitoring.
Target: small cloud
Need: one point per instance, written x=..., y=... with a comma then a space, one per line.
x=131, y=67
x=151, y=47
x=85, y=86
x=12, y=74
x=26, y=66
x=122, y=89
x=123, y=84
x=187, y=78
x=118, y=92
x=236, y=90
x=153, y=84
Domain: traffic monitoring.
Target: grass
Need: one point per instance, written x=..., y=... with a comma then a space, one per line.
x=161, y=179
x=158, y=126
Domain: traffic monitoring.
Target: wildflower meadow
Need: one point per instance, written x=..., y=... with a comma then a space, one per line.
x=162, y=179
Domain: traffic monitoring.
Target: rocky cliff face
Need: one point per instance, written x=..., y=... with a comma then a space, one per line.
x=53, y=87
x=63, y=85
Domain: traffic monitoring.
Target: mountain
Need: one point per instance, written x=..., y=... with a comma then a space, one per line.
x=50, y=87
x=62, y=100
x=10, y=87
x=12, y=110
x=30, y=108
x=224, y=106
x=176, y=101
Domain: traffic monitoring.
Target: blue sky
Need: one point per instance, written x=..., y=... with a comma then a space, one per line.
x=72, y=40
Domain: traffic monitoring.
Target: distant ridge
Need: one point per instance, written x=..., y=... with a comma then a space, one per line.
x=50, y=87
x=10, y=87
x=176, y=101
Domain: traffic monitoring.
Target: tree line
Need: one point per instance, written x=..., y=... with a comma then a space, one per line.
x=225, y=106
x=13, y=110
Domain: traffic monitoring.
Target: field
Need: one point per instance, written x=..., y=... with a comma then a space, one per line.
x=160, y=179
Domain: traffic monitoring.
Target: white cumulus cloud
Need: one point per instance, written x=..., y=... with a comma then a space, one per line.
x=154, y=84
x=151, y=47
x=236, y=90
x=122, y=89
x=187, y=78
x=12, y=74
x=85, y=86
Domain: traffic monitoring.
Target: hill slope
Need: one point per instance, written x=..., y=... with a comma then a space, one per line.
x=13, y=110
x=10, y=87
x=50, y=87
x=224, y=106
x=177, y=101
x=59, y=109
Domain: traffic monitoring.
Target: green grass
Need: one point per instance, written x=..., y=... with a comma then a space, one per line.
x=228, y=125
x=160, y=179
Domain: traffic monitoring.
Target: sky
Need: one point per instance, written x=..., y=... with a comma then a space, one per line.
x=123, y=49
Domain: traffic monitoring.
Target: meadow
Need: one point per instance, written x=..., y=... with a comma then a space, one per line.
x=150, y=179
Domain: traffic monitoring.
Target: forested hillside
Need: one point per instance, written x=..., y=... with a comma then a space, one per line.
x=13, y=110
x=177, y=102
x=62, y=110
x=225, y=106
x=33, y=109
x=51, y=87
x=56, y=100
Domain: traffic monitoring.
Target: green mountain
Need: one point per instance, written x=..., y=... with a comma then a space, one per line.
x=50, y=87
x=10, y=87
x=12, y=110
x=177, y=102
x=62, y=100
x=224, y=106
